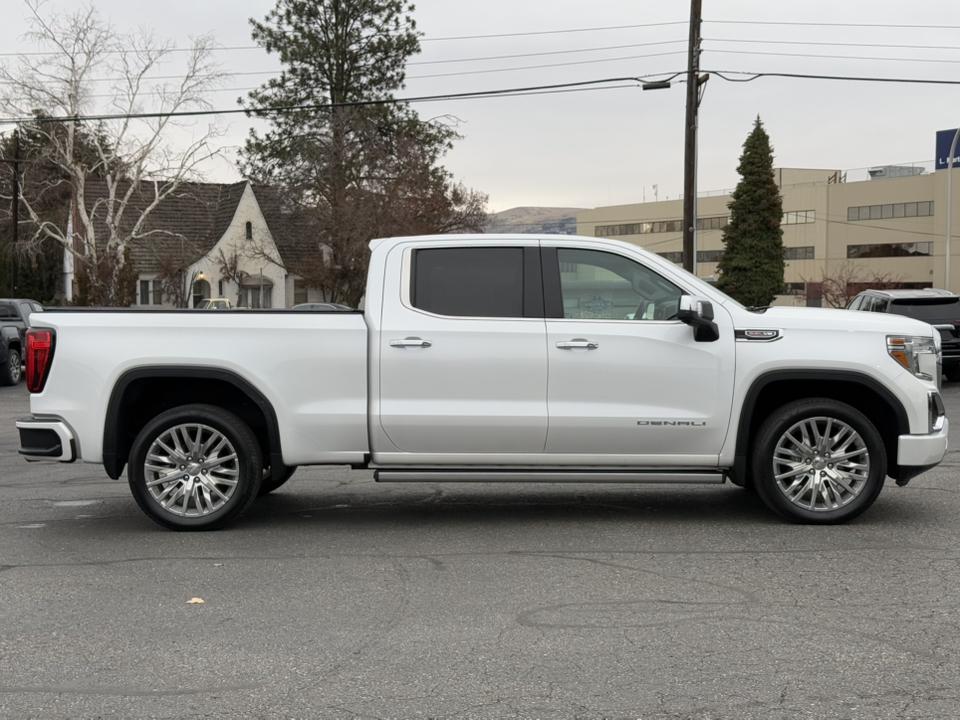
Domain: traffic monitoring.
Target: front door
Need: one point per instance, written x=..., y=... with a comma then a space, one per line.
x=626, y=377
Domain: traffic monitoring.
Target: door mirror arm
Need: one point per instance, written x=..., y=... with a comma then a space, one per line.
x=697, y=312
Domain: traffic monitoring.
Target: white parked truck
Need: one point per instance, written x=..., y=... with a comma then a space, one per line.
x=502, y=358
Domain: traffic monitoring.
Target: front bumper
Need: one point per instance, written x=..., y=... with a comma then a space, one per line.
x=919, y=453
x=46, y=439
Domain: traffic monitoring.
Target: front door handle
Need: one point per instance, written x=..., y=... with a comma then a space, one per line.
x=411, y=342
x=578, y=343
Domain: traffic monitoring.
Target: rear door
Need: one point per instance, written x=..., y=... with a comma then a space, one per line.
x=463, y=361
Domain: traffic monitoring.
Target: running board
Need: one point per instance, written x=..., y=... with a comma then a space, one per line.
x=552, y=476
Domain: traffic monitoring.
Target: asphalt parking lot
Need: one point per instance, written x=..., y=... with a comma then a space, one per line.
x=340, y=598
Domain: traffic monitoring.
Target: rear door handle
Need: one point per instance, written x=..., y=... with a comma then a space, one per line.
x=578, y=343
x=411, y=342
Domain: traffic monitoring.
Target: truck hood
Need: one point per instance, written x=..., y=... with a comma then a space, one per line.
x=804, y=318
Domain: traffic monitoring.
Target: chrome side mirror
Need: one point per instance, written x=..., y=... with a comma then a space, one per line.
x=697, y=312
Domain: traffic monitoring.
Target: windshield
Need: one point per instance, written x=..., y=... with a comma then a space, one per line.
x=939, y=309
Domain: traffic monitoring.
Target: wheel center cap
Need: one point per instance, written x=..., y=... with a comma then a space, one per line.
x=193, y=468
x=819, y=463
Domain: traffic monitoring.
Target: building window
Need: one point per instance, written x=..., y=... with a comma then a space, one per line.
x=890, y=211
x=220, y=288
x=798, y=253
x=250, y=297
x=660, y=226
x=795, y=288
x=799, y=217
x=299, y=291
x=249, y=231
x=674, y=257
x=708, y=256
x=712, y=223
x=877, y=250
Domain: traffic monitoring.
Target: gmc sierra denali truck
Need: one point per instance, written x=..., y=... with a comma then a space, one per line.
x=493, y=358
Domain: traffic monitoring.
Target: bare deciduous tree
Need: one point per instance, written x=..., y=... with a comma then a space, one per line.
x=134, y=155
x=848, y=279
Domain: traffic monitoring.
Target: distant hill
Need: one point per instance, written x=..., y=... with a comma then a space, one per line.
x=534, y=220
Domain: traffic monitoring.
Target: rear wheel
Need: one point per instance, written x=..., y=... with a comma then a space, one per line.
x=195, y=467
x=12, y=369
x=819, y=461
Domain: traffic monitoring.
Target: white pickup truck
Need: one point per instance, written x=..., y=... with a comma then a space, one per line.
x=493, y=358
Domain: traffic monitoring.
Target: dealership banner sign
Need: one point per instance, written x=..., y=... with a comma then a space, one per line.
x=944, y=141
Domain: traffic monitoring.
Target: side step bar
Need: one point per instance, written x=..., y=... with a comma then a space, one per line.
x=542, y=475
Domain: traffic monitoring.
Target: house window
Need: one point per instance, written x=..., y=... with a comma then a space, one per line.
x=249, y=231
x=150, y=293
x=299, y=291
x=220, y=288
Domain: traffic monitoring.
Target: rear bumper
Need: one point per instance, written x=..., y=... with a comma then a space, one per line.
x=46, y=439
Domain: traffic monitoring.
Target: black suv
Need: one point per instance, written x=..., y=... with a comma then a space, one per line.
x=940, y=308
x=14, y=321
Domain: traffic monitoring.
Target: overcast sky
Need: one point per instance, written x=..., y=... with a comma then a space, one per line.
x=612, y=146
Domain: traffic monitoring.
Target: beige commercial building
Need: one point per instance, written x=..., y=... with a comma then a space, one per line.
x=890, y=226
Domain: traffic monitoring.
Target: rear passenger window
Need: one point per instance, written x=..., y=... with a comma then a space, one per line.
x=468, y=282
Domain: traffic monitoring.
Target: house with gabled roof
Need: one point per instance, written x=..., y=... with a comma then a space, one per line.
x=227, y=240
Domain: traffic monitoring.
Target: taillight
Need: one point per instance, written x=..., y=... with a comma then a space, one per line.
x=39, y=356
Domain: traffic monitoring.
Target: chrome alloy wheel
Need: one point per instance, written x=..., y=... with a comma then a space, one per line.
x=821, y=464
x=191, y=470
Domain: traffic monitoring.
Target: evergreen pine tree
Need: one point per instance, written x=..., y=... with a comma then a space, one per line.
x=751, y=268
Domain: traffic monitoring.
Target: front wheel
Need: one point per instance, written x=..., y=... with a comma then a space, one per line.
x=819, y=461
x=11, y=370
x=195, y=467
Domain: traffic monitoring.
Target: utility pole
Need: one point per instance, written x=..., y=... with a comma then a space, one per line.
x=15, y=214
x=690, y=142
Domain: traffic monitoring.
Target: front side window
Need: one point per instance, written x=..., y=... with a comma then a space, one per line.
x=468, y=281
x=605, y=286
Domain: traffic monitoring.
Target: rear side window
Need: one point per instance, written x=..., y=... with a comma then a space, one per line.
x=929, y=310
x=468, y=282
x=7, y=312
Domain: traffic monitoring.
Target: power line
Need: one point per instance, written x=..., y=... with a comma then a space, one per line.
x=422, y=39
x=554, y=32
x=829, y=24
x=508, y=92
x=829, y=57
x=722, y=74
x=541, y=67
x=835, y=44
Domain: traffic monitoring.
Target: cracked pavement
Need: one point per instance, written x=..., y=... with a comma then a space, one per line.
x=340, y=598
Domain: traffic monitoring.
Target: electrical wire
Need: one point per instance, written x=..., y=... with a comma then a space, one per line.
x=260, y=112
x=833, y=44
x=829, y=24
x=827, y=57
x=722, y=74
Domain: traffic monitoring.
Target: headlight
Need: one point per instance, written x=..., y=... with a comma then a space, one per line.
x=916, y=354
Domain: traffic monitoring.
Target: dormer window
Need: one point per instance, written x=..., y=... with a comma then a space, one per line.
x=249, y=231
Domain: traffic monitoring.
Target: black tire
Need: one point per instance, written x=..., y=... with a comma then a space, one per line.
x=12, y=370
x=953, y=373
x=818, y=489
x=216, y=487
x=270, y=483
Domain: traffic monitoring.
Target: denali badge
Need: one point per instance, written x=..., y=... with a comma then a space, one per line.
x=757, y=335
x=677, y=423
